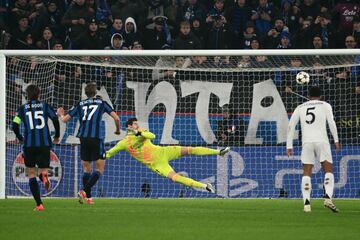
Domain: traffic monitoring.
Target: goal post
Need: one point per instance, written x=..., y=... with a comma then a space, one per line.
x=185, y=98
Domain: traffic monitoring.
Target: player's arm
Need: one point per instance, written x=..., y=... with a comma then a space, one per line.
x=117, y=148
x=114, y=116
x=332, y=126
x=55, y=120
x=291, y=131
x=16, y=128
x=145, y=134
x=66, y=117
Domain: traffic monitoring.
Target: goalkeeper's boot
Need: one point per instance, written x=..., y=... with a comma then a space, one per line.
x=330, y=205
x=89, y=201
x=46, y=181
x=307, y=208
x=210, y=188
x=224, y=151
x=82, y=196
x=39, y=208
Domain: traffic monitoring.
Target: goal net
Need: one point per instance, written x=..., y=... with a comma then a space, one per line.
x=239, y=99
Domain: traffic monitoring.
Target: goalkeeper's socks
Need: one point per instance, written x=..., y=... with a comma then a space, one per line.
x=92, y=181
x=34, y=188
x=306, y=188
x=329, y=184
x=85, y=179
x=188, y=181
x=200, y=151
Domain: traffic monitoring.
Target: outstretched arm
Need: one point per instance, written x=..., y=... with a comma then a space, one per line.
x=117, y=122
x=117, y=148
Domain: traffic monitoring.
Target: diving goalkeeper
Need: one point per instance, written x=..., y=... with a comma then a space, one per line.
x=138, y=144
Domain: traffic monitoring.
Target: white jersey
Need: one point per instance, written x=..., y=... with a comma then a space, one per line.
x=313, y=116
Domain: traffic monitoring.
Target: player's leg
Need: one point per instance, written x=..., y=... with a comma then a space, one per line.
x=307, y=159
x=190, y=182
x=30, y=162
x=326, y=163
x=43, y=163
x=201, y=151
x=87, y=166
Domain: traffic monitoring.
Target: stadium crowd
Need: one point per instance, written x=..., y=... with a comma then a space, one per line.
x=179, y=24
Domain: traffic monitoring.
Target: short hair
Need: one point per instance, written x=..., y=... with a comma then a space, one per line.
x=130, y=121
x=33, y=92
x=314, y=91
x=90, y=89
x=185, y=23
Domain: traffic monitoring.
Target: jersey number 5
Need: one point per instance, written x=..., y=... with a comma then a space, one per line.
x=38, y=115
x=312, y=115
x=86, y=115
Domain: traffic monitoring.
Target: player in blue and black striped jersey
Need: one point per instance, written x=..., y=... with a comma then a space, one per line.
x=36, y=139
x=89, y=112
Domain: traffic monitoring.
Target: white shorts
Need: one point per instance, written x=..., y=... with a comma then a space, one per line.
x=316, y=150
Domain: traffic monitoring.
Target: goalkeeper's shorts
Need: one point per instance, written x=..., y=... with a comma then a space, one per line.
x=164, y=155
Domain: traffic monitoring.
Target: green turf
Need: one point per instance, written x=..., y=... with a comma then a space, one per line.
x=178, y=219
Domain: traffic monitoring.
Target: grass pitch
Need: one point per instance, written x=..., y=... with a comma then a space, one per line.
x=174, y=219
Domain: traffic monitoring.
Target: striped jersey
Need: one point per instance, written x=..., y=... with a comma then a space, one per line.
x=89, y=112
x=35, y=114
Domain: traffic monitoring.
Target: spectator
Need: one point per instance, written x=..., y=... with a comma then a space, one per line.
x=237, y=18
x=284, y=41
x=5, y=15
x=159, y=37
x=103, y=11
x=310, y=8
x=47, y=40
x=154, y=8
x=263, y=15
x=90, y=39
x=75, y=19
x=350, y=42
x=304, y=36
x=344, y=13
x=254, y=43
x=217, y=10
x=125, y=8
x=51, y=18
x=218, y=37
x=317, y=42
x=199, y=30
x=57, y=45
x=22, y=9
x=21, y=36
x=136, y=46
x=274, y=35
x=230, y=130
x=248, y=35
x=131, y=35
x=190, y=10
x=117, y=42
x=325, y=30
x=356, y=30
x=186, y=40
x=290, y=15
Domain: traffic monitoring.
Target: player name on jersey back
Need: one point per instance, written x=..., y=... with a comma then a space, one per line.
x=90, y=101
x=33, y=105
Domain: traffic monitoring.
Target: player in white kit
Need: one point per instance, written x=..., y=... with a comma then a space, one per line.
x=313, y=116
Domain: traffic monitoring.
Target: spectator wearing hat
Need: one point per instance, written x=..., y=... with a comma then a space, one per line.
x=75, y=19
x=131, y=34
x=237, y=16
x=117, y=42
x=218, y=35
x=263, y=15
x=273, y=36
x=21, y=37
x=90, y=39
x=136, y=46
x=190, y=10
x=285, y=42
x=159, y=37
x=186, y=39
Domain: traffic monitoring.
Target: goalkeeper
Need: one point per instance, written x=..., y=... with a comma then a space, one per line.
x=138, y=143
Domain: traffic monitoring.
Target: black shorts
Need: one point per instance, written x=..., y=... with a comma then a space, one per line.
x=37, y=156
x=92, y=149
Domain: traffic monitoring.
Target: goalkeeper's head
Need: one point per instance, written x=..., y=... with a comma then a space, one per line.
x=33, y=92
x=91, y=90
x=132, y=124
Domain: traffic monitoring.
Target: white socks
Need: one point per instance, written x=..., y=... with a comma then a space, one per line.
x=306, y=189
x=329, y=184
